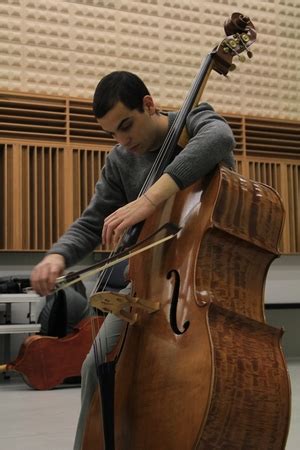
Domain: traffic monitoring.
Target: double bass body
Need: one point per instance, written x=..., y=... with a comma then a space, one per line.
x=205, y=371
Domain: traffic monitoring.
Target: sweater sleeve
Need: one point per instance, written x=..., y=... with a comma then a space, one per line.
x=84, y=235
x=211, y=142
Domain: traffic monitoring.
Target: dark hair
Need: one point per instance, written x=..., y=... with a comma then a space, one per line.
x=122, y=86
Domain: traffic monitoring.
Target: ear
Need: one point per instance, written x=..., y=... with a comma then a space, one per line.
x=149, y=105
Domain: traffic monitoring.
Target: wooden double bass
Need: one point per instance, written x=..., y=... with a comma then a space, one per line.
x=204, y=371
x=46, y=361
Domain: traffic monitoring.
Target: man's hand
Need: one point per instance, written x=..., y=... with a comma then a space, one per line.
x=123, y=218
x=45, y=273
x=138, y=210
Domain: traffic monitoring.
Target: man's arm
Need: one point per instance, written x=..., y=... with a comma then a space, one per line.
x=138, y=210
x=211, y=142
x=45, y=273
x=82, y=236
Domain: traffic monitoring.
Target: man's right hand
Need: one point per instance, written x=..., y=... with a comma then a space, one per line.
x=44, y=274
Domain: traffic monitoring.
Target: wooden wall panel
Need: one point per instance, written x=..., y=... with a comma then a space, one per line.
x=10, y=201
x=267, y=172
x=6, y=207
x=275, y=138
x=87, y=166
x=293, y=205
x=48, y=177
x=42, y=188
x=26, y=115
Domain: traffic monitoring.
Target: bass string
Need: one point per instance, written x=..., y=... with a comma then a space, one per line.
x=166, y=148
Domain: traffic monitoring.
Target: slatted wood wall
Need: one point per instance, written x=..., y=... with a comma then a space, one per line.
x=52, y=151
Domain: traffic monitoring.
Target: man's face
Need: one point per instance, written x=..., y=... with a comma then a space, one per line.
x=136, y=131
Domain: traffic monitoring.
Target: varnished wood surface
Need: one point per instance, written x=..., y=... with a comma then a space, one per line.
x=44, y=361
x=250, y=406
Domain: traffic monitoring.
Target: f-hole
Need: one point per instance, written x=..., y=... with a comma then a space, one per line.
x=174, y=303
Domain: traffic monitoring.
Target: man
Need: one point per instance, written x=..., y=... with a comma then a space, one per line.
x=125, y=109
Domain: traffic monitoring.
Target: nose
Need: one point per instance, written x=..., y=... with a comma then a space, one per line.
x=123, y=139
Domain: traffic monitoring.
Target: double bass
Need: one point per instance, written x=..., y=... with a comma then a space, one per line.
x=202, y=370
x=44, y=362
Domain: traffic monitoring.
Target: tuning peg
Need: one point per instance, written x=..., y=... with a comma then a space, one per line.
x=249, y=54
x=232, y=67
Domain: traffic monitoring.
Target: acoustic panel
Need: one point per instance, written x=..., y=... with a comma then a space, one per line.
x=65, y=47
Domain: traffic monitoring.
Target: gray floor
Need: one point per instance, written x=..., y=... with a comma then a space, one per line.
x=35, y=420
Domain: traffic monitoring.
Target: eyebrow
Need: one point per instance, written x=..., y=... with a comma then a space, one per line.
x=119, y=126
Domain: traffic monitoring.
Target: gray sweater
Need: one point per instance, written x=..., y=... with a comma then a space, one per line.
x=211, y=141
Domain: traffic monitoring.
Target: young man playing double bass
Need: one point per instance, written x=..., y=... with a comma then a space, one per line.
x=125, y=109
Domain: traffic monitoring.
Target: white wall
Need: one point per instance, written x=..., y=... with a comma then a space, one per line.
x=283, y=280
